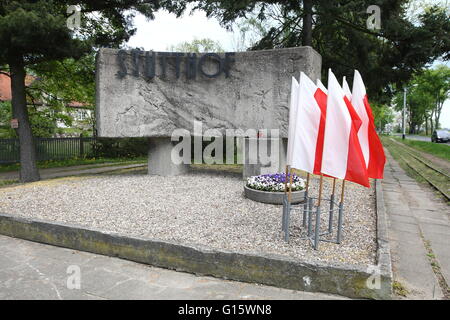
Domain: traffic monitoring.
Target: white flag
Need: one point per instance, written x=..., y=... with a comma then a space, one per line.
x=292, y=118
x=346, y=89
x=307, y=126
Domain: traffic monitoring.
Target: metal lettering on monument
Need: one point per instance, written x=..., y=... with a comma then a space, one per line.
x=192, y=62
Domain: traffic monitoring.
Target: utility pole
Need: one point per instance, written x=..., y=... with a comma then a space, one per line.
x=404, y=113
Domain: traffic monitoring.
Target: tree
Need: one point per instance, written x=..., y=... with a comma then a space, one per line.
x=61, y=83
x=337, y=30
x=426, y=94
x=197, y=45
x=35, y=31
x=435, y=83
x=383, y=115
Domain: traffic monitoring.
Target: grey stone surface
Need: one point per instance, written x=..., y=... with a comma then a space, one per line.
x=258, y=151
x=279, y=271
x=30, y=270
x=254, y=96
x=272, y=197
x=159, y=158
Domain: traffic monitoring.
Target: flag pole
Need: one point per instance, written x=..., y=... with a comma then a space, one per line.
x=290, y=185
x=285, y=180
x=334, y=186
x=286, y=207
x=305, y=206
x=317, y=229
x=320, y=190
x=341, y=212
x=330, y=217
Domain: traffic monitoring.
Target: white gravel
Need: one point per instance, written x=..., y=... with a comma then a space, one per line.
x=203, y=209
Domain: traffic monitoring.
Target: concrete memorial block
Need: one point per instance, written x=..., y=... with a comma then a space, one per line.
x=150, y=94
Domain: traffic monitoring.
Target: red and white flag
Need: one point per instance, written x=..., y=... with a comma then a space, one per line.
x=342, y=155
x=321, y=86
x=307, y=126
x=293, y=103
x=371, y=146
x=321, y=98
x=346, y=89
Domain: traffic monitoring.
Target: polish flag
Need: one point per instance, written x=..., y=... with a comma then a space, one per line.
x=293, y=103
x=342, y=155
x=371, y=146
x=321, y=99
x=307, y=126
x=321, y=86
x=346, y=89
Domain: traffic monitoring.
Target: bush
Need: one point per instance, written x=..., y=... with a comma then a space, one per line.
x=120, y=147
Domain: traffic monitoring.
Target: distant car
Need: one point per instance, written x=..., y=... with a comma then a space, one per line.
x=440, y=136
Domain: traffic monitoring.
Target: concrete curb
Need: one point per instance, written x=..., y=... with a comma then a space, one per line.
x=279, y=271
x=384, y=263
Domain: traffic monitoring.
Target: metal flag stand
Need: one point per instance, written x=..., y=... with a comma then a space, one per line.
x=309, y=210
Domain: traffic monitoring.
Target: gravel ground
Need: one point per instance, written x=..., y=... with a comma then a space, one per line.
x=197, y=208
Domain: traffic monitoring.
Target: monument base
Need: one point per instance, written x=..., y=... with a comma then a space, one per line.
x=257, y=156
x=159, y=158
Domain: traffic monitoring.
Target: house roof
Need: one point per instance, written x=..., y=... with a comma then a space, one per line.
x=5, y=86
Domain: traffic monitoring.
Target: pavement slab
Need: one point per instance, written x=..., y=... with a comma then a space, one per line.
x=416, y=217
x=32, y=271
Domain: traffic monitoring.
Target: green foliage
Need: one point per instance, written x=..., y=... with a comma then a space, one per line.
x=426, y=94
x=60, y=83
x=37, y=29
x=34, y=32
x=65, y=81
x=43, y=120
x=383, y=115
x=121, y=148
x=5, y=117
x=198, y=46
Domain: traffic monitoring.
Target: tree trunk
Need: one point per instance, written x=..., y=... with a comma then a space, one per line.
x=28, y=168
x=431, y=122
x=438, y=113
x=307, y=23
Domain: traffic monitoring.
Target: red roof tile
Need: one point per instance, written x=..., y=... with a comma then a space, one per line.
x=5, y=86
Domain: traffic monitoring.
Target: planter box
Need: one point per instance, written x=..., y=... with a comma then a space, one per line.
x=272, y=197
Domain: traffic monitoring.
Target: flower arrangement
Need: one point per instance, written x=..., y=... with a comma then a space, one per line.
x=275, y=182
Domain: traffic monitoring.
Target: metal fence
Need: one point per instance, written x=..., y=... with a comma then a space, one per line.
x=49, y=149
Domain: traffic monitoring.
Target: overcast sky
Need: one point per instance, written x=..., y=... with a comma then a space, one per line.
x=166, y=30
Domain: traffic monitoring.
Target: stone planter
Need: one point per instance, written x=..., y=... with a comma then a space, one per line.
x=272, y=197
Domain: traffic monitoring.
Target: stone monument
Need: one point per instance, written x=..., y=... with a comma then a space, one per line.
x=150, y=94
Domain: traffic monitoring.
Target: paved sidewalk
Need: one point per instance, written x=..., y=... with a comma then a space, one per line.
x=417, y=216
x=51, y=173
x=30, y=270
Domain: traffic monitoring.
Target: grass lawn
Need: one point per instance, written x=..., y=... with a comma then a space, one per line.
x=74, y=162
x=440, y=150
